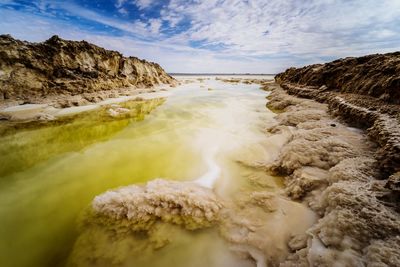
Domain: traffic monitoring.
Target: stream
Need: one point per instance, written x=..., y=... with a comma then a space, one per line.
x=206, y=130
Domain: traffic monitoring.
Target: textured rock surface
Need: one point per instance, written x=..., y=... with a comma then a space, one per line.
x=364, y=91
x=333, y=168
x=372, y=75
x=30, y=72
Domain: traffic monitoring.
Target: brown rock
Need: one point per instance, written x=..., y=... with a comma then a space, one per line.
x=373, y=75
x=57, y=66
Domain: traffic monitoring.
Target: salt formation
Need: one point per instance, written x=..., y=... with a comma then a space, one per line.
x=126, y=225
x=317, y=141
x=260, y=224
x=181, y=203
x=332, y=168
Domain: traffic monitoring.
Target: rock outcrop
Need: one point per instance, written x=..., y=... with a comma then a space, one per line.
x=32, y=72
x=373, y=75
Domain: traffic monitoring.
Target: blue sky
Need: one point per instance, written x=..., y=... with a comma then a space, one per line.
x=256, y=36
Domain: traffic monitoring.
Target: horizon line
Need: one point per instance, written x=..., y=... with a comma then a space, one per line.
x=211, y=73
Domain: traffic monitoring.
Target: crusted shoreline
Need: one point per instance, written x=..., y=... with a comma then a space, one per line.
x=363, y=92
x=332, y=169
x=351, y=182
x=380, y=120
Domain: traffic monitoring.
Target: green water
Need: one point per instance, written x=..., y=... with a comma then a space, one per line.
x=49, y=173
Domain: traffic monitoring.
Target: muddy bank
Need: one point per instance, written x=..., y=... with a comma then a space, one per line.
x=335, y=170
x=70, y=73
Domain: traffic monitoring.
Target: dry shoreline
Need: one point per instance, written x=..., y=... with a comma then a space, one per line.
x=50, y=110
x=359, y=203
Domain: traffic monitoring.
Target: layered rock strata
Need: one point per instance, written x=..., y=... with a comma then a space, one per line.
x=373, y=75
x=58, y=69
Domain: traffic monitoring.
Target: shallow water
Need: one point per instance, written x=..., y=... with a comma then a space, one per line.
x=208, y=131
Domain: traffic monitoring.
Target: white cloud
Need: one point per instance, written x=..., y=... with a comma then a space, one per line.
x=297, y=27
x=142, y=4
x=140, y=29
x=120, y=3
x=231, y=35
x=155, y=25
x=123, y=11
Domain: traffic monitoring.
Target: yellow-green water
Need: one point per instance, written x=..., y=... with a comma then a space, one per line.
x=50, y=173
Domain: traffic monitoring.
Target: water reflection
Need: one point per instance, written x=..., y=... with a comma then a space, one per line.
x=38, y=141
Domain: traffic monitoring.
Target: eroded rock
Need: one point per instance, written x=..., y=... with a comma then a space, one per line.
x=56, y=67
x=373, y=75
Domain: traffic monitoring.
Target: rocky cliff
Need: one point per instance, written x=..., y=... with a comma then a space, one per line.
x=364, y=92
x=373, y=75
x=30, y=72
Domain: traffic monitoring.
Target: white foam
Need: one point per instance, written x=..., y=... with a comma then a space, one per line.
x=214, y=171
x=25, y=108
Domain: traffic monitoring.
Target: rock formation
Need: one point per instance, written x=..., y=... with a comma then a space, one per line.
x=373, y=75
x=33, y=72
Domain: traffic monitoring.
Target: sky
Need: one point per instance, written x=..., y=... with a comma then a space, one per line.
x=214, y=36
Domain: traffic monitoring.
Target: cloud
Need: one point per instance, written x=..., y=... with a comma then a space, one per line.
x=220, y=35
x=143, y=4
x=296, y=27
x=155, y=25
x=120, y=3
